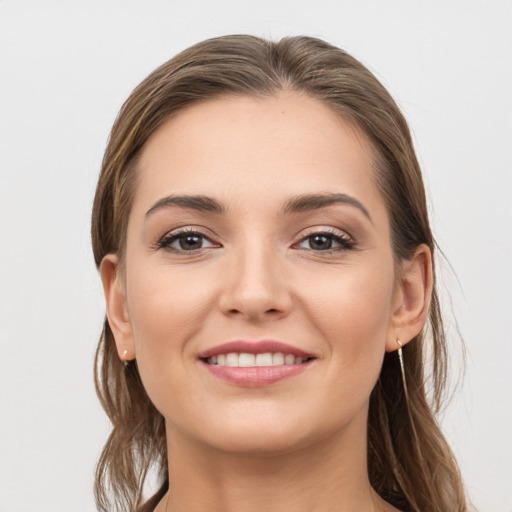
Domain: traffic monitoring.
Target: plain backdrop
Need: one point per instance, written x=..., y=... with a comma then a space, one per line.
x=65, y=69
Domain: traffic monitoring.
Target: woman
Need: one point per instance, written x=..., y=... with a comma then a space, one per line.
x=262, y=235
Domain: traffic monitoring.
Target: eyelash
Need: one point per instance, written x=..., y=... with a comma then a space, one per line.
x=345, y=242
x=167, y=240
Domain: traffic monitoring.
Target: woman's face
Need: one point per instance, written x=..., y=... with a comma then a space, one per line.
x=256, y=229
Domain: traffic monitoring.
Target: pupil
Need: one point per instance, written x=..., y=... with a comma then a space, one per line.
x=320, y=242
x=190, y=242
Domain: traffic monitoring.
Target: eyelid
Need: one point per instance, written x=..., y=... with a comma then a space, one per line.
x=345, y=240
x=170, y=237
x=326, y=230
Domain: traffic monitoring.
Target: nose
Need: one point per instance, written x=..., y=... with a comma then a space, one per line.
x=255, y=286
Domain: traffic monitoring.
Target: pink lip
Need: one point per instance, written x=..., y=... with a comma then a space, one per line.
x=255, y=376
x=254, y=347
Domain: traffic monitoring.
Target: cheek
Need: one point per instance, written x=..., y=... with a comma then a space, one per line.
x=162, y=302
x=352, y=300
x=351, y=309
x=166, y=309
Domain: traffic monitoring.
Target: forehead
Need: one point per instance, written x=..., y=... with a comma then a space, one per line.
x=243, y=147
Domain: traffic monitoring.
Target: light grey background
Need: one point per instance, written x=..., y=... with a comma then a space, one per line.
x=65, y=69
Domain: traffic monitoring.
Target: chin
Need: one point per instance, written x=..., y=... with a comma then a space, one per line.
x=268, y=431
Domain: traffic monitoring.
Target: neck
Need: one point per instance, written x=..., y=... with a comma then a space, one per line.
x=330, y=476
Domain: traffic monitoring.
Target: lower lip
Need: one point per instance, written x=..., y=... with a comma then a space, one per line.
x=256, y=376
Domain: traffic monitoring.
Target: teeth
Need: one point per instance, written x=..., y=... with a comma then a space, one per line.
x=245, y=360
x=289, y=359
x=232, y=359
x=277, y=359
x=263, y=359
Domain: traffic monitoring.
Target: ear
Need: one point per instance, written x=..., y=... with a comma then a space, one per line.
x=117, y=307
x=412, y=298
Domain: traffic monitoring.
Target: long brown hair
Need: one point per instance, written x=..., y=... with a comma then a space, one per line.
x=410, y=463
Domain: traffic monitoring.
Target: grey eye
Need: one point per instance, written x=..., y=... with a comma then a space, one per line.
x=190, y=242
x=320, y=242
x=185, y=241
x=325, y=242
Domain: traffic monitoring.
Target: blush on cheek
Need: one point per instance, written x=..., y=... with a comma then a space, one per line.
x=163, y=323
x=355, y=314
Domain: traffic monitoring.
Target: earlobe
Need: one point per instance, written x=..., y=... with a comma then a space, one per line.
x=117, y=307
x=413, y=294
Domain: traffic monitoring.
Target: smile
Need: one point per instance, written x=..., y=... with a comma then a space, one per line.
x=246, y=360
x=255, y=364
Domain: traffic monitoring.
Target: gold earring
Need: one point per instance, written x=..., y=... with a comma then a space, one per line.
x=402, y=368
x=125, y=355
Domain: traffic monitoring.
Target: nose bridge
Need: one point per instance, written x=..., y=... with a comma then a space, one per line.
x=255, y=281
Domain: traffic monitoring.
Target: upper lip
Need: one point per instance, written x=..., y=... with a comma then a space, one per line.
x=254, y=347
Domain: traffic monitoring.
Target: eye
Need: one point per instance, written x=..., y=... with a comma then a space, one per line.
x=185, y=241
x=326, y=241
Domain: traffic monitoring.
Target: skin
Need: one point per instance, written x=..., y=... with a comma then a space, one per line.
x=298, y=444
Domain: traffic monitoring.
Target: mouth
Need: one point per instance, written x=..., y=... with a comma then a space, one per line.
x=255, y=364
x=248, y=360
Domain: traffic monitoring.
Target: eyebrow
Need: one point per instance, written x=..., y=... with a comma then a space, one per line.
x=203, y=204
x=310, y=202
x=297, y=204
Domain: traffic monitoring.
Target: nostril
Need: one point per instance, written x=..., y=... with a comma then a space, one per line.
x=271, y=310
